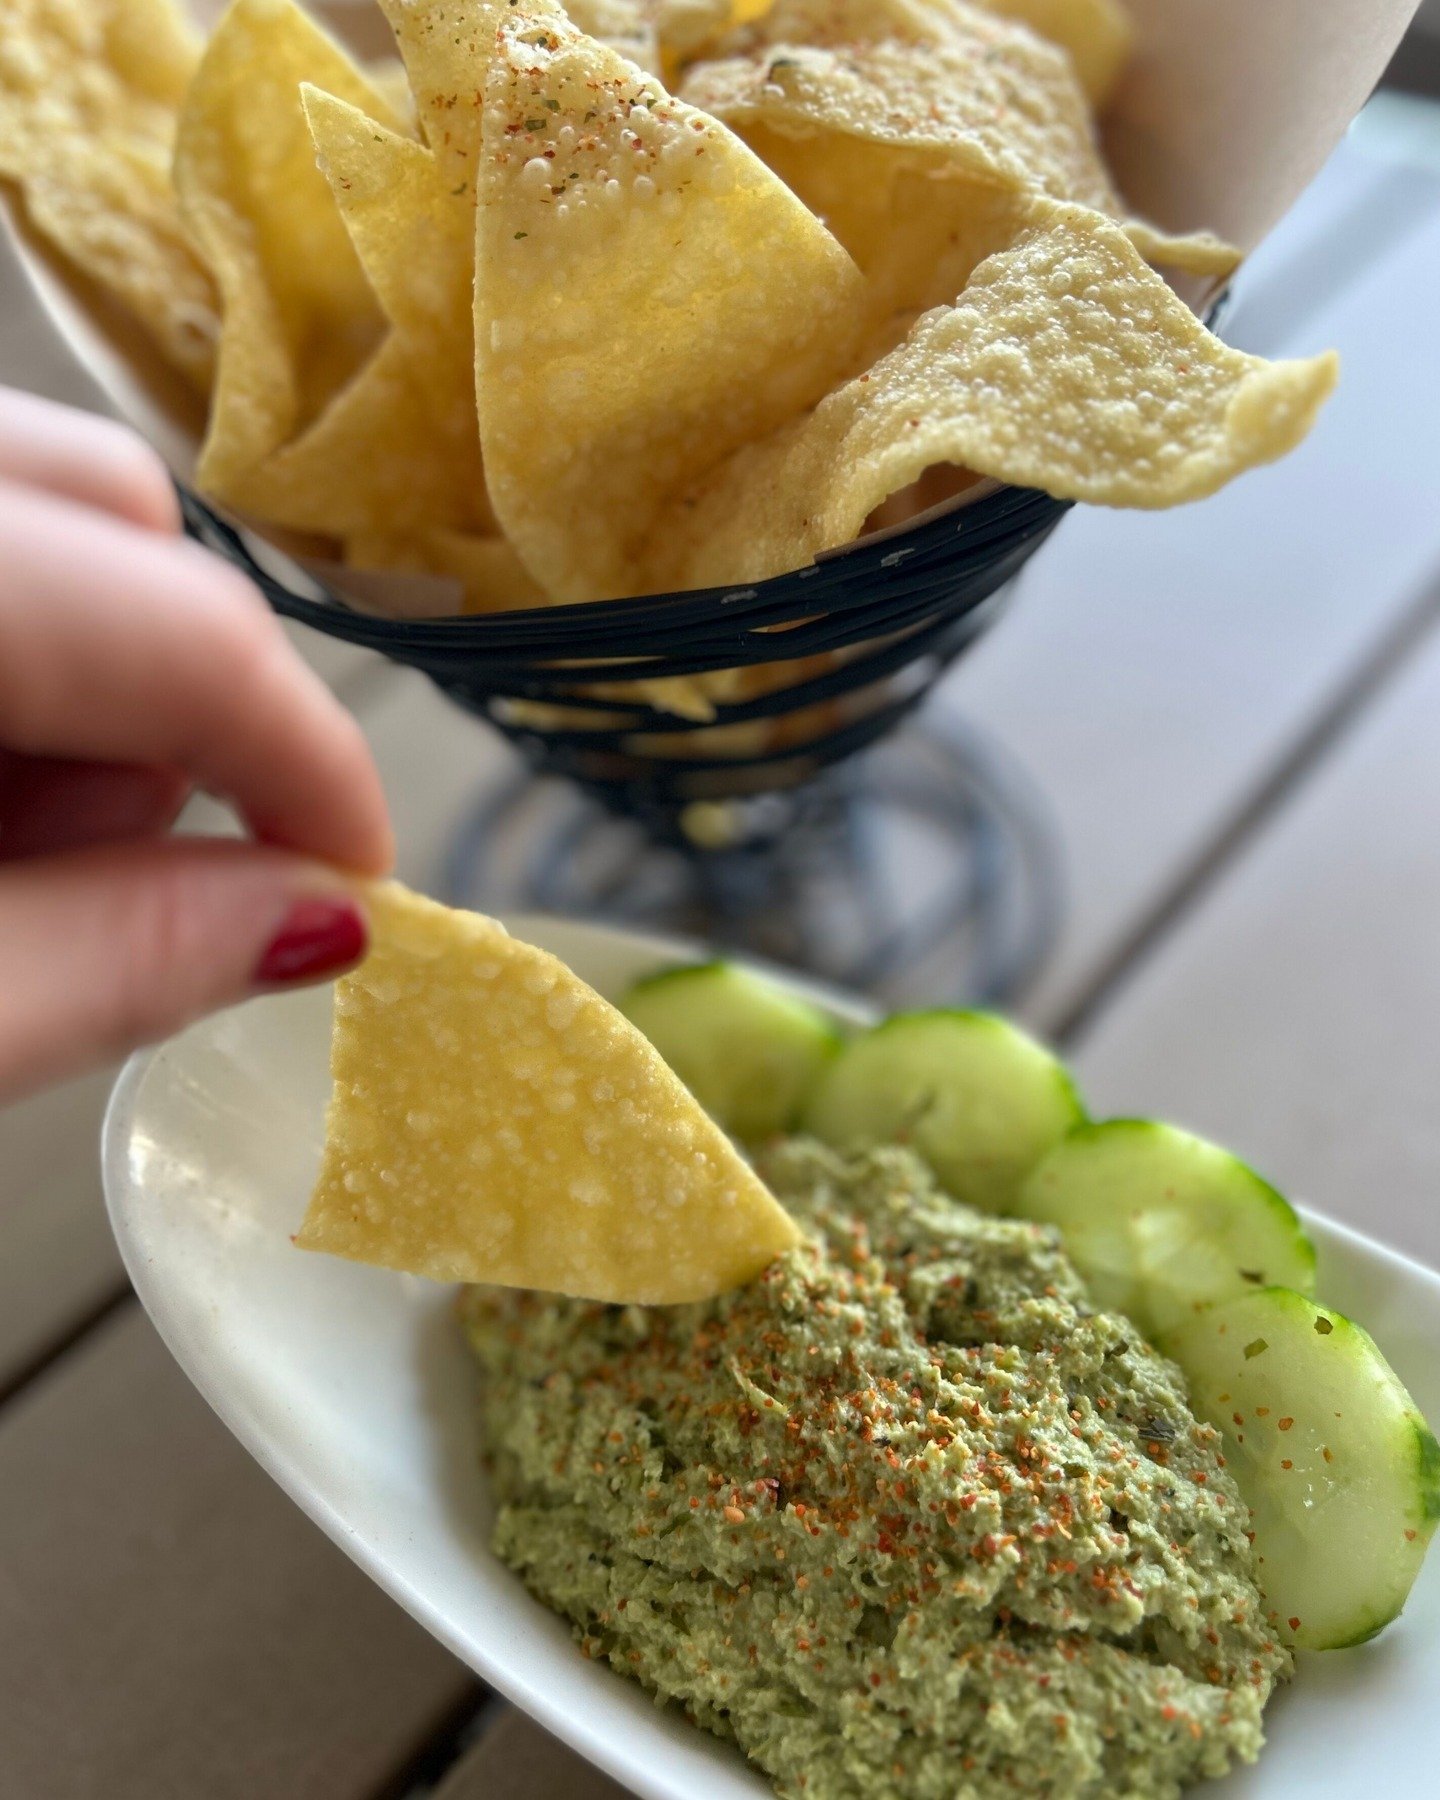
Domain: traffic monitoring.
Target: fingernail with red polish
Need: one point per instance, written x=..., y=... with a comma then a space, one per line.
x=319, y=936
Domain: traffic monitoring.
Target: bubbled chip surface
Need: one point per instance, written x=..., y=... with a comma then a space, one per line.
x=1096, y=34
x=494, y=1120
x=647, y=296
x=89, y=96
x=630, y=27
x=984, y=97
x=1067, y=365
x=901, y=123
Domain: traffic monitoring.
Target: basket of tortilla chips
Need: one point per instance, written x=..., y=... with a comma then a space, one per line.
x=671, y=380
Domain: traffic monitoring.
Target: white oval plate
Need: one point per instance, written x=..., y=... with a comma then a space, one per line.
x=352, y=1387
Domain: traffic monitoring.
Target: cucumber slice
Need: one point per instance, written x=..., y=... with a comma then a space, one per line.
x=747, y=1050
x=1338, y=1467
x=978, y=1099
x=1160, y=1223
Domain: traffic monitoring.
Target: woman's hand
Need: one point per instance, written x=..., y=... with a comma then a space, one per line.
x=133, y=667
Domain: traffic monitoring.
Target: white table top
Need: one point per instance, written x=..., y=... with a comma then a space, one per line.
x=1234, y=711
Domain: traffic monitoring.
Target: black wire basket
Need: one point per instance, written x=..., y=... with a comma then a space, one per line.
x=883, y=618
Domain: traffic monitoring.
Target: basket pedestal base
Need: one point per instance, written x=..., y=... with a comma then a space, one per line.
x=923, y=871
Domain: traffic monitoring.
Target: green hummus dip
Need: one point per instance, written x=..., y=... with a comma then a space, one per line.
x=905, y=1517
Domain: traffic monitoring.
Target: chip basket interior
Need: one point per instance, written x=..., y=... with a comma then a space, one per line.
x=865, y=631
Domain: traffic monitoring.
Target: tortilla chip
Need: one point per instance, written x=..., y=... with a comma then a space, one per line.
x=839, y=23
x=648, y=296
x=907, y=145
x=152, y=45
x=415, y=243
x=785, y=733
x=915, y=239
x=493, y=579
x=921, y=155
x=1066, y=365
x=372, y=460
x=1194, y=253
x=1097, y=34
x=413, y=246
x=411, y=213
x=997, y=106
x=685, y=696
x=388, y=78
x=298, y=316
x=626, y=26
x=751, y=737
x=491, y=576
x=89, y=92
x=446, y=46
x=493, y=1119
x=686, y=28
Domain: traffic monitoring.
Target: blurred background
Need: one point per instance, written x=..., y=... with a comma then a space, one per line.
x=1417, y=63
x=1223, y=725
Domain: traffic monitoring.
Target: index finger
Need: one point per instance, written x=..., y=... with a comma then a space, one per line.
x=84, y=457
x=119, y=645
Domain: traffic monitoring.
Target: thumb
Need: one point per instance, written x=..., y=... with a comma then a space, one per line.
x=104, y=949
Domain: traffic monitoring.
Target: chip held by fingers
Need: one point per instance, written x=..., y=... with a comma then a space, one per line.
x=494, y=1120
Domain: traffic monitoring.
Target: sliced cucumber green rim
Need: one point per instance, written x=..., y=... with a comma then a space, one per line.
x=980, y=1100
x=1339, y=1468
x=1189, y=1242
x=1161, y=1222
x=748, y=1049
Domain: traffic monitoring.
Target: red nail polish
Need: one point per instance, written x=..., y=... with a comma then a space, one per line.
x=320, y=936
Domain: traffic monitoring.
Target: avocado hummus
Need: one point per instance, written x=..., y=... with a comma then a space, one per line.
x=905, y=1517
